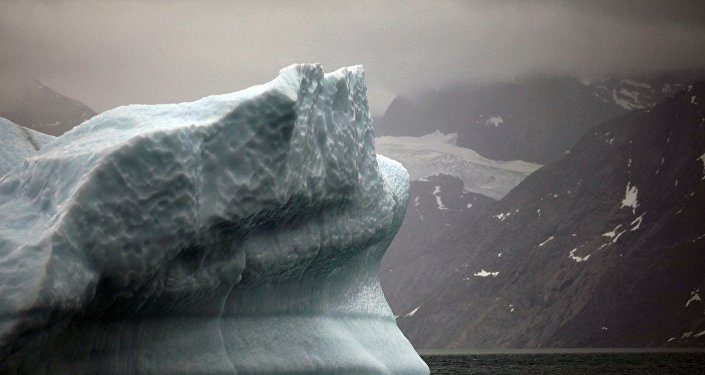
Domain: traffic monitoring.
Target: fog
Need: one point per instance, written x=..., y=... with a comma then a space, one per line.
x=111, y=53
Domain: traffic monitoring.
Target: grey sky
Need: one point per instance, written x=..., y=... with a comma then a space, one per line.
x=118, y=52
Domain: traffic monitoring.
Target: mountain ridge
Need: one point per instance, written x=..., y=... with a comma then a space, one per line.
x=592, y=220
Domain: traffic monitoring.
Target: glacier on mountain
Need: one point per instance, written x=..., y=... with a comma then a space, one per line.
x=237, y=234
x=436, y=153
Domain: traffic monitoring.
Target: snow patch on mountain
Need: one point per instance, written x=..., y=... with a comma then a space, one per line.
x=437, y=153
x=636, y=223
x=483, y=273
x=576, y=258
x=549, y=239
x=623, y=102
x=612, y=233
x=615, y=236
x=437, y=193
x=494, y=121
x=630, y=197
x=412, y=312
x=694, y=297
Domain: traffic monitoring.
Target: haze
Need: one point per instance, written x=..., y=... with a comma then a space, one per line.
x=107, y=54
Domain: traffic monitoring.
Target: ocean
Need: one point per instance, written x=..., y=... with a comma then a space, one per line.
x=568, y=362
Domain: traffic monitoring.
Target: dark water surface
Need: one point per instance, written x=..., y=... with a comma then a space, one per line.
x=568, y=363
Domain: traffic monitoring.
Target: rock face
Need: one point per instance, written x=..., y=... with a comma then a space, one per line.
x=240, y=233
x=604, y=248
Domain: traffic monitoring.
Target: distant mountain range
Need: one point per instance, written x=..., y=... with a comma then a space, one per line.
x=535, y=119
x=602, y=247
x=29, y=103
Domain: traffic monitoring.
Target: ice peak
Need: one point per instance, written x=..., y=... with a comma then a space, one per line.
x=222, y=222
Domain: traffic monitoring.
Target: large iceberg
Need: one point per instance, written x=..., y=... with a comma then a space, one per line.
x=237, y=234
x=18, y=143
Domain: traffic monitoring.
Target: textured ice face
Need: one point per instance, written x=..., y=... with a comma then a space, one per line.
x=18, y=143
x=239, y=233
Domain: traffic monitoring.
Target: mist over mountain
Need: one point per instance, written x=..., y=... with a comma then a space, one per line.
x=535, y=119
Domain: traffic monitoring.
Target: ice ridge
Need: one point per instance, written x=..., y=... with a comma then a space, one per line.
x=237, y=234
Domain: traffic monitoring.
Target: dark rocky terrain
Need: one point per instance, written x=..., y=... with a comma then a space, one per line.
x=413, y=260
x=603, y=248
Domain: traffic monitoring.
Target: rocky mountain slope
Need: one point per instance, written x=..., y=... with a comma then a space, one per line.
x=29, y=103
x=604, y=247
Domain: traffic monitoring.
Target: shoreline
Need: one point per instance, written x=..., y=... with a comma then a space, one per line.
x=432, y=352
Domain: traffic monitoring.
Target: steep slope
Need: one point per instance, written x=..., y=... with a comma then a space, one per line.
x=450, y=185
x=606, y=247
x=33, y=105
x=438, y=207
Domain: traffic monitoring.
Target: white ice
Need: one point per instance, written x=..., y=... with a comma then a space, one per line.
x=636, y=223
x=438, y=153
x=240, y=233
x=18, y=143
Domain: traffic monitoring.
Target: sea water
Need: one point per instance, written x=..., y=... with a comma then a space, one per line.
x=568, y=362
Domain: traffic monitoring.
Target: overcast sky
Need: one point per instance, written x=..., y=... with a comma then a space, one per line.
x=111, y=53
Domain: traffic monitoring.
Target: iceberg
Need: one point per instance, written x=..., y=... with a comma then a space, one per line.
x=237, y=234
x=18, y=143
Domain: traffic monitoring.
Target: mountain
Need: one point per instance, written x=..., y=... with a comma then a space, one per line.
x=603, y=248
x=449, y=185
x=33, y=105
x=534, y=119
x=438, y=206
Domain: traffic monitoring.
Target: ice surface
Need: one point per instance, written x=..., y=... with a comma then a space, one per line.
x=240, y=233
x=438, y=153
x=18, y=143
